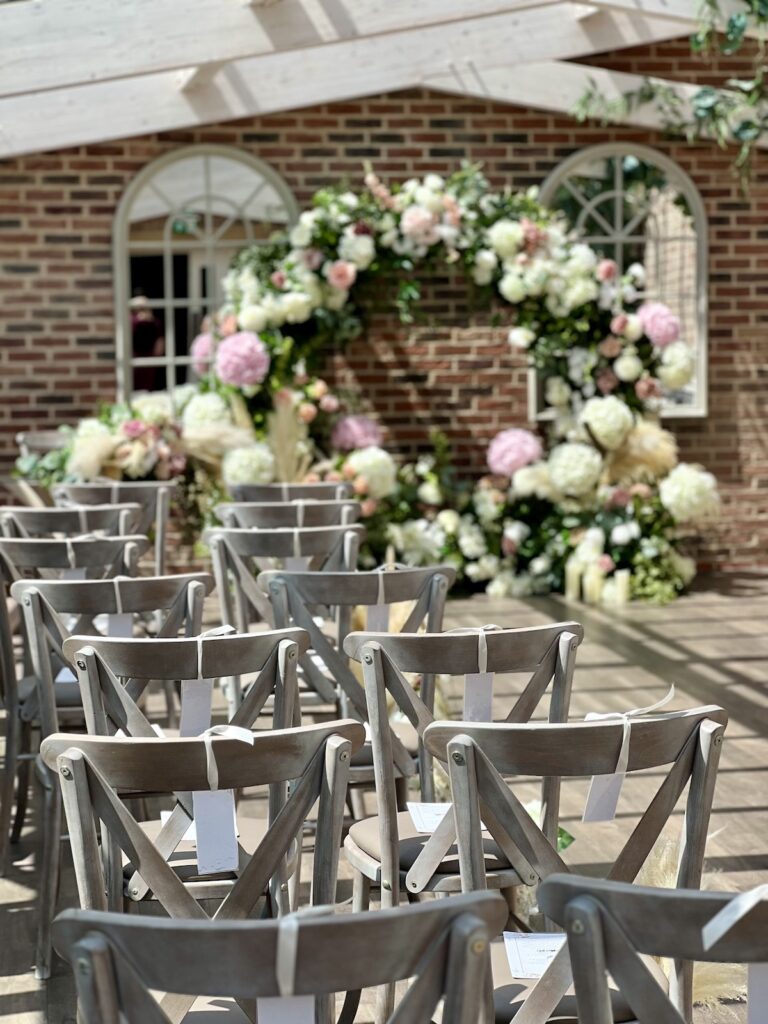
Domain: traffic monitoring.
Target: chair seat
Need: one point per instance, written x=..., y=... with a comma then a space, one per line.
x=67, y=693
x=404, y=731
x=509, y=994
x=365, y=834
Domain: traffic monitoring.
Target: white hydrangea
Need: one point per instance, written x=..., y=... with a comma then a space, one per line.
x=485, y=568
x=609, y=420
x=683, y=565
x=533, y=480
x=301, y=233
x=358, y=249
x=417, y=541
x=378, y=469
x=254, y=464
x=574, y=468
x=677, y=365
x=297, y=307
x=590, y=547
x=448, y=520
x=153, y=406
x=628, y=366
x=512, y=286
x=486, y=262
x=206, y=410
x=582, y=258
x=689, y=493
x=557, y=392
x=487, y=507
x=181, y=394
x=501, y=584
x=91, y=427
x=521, y=337
x=505, y=238
x=624, y=533
x=471, y=538
x=253, y=318
x=429, y=493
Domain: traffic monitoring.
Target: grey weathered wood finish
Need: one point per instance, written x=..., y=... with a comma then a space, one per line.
x=300, y=512
x=114, y=520
x=443, y=947
x=291, y=492
x=154, y=497
x=481, y=758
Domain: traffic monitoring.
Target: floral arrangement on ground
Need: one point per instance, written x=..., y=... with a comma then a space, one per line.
x=596, y=503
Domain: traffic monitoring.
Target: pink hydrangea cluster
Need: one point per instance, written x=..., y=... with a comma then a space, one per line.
x=202, y=353
x=242, y=360
x=512, y=449
x=659, y=323
x=355, y=431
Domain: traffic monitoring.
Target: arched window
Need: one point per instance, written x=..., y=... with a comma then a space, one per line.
x=636, y=205
x=179, y=224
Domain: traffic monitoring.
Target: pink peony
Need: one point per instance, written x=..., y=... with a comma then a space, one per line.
x=329, y=403
x=133, y=429
x=659, y=323
x=619, y=323
x=355, y=432
x=202, y=353
x=606, y=270
x=242, y=360
x=340, y=274
x=607, y=381
x=419, y=224
x=511, y=450
x=647, y=387
x=606, y=563
x=307, y=412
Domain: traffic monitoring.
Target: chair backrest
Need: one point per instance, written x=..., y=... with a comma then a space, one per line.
x=38, y=442
x=684, y=745
x=299, y=512
x=547, y=652
x=610, y=924
x=442, y=946
x=296, y=599
x=115, y=520
x=46, y=604
x=291, y=492
x=154, y=497
x=236, y=553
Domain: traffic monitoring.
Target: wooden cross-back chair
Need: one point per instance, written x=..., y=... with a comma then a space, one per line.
x=617, y=928
x=443, y=948
x=299, y=512
x=23, y=698
x=114, y=520
x=684, y=745
x=154, y=497
x=114, y=673
x=291, y=492
x=38, y=442
x=296, y=599
x=94, y=771
x=237, y=553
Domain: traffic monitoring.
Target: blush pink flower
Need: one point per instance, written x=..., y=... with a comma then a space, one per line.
x=419, y=224
x=609, y=347
x=606, y=563
x=607, y=381
x=533, y=235
x=307, y=412
x=340, y=274
x=353, y=432
x=311, y=478
x=659, y=323
x=201, y=351
x=242, y=360
x=360, y=485
x=312, y=258
x=619, y=323
x=329, y=403
x=333, y=476
x=228, y=325
x=133, y=429
x=512, y=449
x=368, y=506
x=278, y=278
x=606, y=270
x=647, y=387
x=620, y=498
x=641, y=490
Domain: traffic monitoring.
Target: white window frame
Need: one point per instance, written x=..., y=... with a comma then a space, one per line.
x=684, y=184
x=121, y=250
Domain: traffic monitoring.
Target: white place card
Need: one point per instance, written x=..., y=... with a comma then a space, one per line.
x=426, y=817
x=287, y=1010
x=478, y=697
x=530, y=954
x=757, y=994
x=196, y=699
x=377, y=619
x=603, y=797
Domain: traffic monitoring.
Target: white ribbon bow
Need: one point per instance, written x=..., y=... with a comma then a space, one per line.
x=482, y=640
x=626, y=719
x=288, y=944
x=216, y=631
x=232, y=732
x=381, y=569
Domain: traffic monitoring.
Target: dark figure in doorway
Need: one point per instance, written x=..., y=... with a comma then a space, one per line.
x=148, y=340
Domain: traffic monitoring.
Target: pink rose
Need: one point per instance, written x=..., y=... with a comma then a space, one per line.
x=533, y=235
x=620, y=497
x=340, y=274
x=360, y=485
x=228, y=325
x=278, y=278
x=348, y=471
x=318, y=388
x=607, y=381
x=606, y=563
x=329, y=403
x=647, y=387
x=312, y=258
x=242, y=360
x=659, y=323
x=606, y=270
x=640, y=490
x=609, y=347
x=307, y=412
x=512, y=449
x=368, y=506
x=201, y=351
x=133, y=429
x=419, y=225
x=355, y=431
x=619, y=323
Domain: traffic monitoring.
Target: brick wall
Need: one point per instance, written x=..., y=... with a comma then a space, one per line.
x=56, y=330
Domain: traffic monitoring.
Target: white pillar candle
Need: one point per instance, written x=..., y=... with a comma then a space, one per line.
x=594, y=578
x=622, y=577
x=573, y=573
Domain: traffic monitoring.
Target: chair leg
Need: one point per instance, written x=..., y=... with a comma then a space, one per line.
x=49, y=872
x=356, y=799
x=170, y=703
x=7, y=783
x=22, y=787
x=361, y=892
x=401, y=793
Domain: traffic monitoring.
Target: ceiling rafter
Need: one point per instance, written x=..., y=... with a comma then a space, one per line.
x=679, y=10
x=282, y=81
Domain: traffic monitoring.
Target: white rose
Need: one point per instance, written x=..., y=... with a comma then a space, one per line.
x=449, y=520
x=580, y=292
x=625, y=533
x=486, y=505
x=521, y=337
x=485, y=568
x=418, y=541
x=505, y=238
x=540, y=566
x=677, y=365
x=512, y=287
x=206, y=410
x=357, y=249
x=434, y=182
x=516, y=531
x=297, y=307
x=91, y=427
x=582, y=258
x=300, y=235
x=557, y=391
x=486, y=262
x=429, y=493
x=335, y=298
x=253, y=464
x=608, y=419
x=636, y=271
x=252, y=318
x=575, y=468
x=378, y=469
x=628, y=366
x=429, y=198
x=153, y=406
x=689, y=493
x=471, y=538
x=633, y=331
